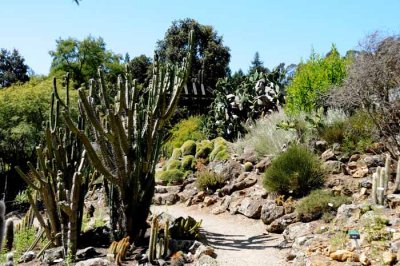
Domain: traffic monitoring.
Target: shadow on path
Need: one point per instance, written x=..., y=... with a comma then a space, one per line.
x=239, y=242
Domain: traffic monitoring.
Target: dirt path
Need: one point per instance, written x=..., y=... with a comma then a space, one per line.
x=237, y=240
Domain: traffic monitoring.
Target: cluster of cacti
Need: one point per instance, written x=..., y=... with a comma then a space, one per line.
x=58, y=178
x=118, y=250
x=380, y=182
x=126, y=136
x=159, y=244
x=2, y=222
x=258, y=95
x=26, y=221
x=185, y=228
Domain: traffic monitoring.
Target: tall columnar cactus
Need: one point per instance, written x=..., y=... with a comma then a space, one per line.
x=2, y=222
x=9, y=235
x=126, y=136
x=58, y=178
x=397, y=180
x=379, y=181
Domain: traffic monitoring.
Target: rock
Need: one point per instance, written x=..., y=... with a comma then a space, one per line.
x=249, y=181
x=348, y=215
x=328, y=155
x=280, y=224
x=334, y=167
x=361, y=172
x=206, y=261
x=354, y=157
x=321, y=145
x=167, y=189
x=374, y=160
x=86, y=253
x=393, y=200
x=364, y=260
x=223, y=206
x=366, y=183
x=99, y=235
x=52, y=254
x=251, y=207
x=229, y=170
x=203, y=250
x=189, y=192
x=270, y=212
x=248, y=155
x=208, y=200
x=388, y=258
x=352, y=165
x=344, y=255
x=297, y=230
x=93, y=262
x=263, y=164
x=27, y=256
x=165, y=199
x=199, y=197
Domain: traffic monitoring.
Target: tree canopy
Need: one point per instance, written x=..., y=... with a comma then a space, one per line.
x=314, y=78
x=82, y=58
x=12, y=68
x=210, y=51
x=140, y=67
x=257, y=65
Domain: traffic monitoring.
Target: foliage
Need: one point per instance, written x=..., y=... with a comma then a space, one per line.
x=12, y=68
x=373, y=85
x=171, y=176
x=257, y=65
x=23, y=239
x=295, y=172
x=313, y=78
x=375, y=229
x=187, y=129
x=140, y=67
x=264, y=137
x=210, y=54
x=318, y=203
x=207, y=180
x=255, y=97
x=82, y=58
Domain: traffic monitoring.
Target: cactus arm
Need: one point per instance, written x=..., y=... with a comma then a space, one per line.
x=39, y=216
x=397, y=181
x=27, y=180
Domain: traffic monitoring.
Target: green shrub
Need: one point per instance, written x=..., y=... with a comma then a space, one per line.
x=295, y=172
x=334, y=133
x=248, y=166
x=220, y=151
x=176, y=154
x=319, y=203
x=208, y=180
x=171, y=176
x=188, y=162
x=187, y=129
x=173, y=164
x=188, y=148
x=23, y=239
x=203, y=149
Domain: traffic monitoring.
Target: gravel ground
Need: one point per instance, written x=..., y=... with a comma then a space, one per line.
x=236, y=239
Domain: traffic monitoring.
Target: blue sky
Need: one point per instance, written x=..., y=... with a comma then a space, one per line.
x=281, y=31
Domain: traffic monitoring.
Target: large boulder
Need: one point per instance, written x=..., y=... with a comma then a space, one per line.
x=270, y=212
x=251, y=207
x=280, y=224
x=334, y=167
x=263, y=164
x=248, y=155
x=299, y=229
x=230, y=169
x=93, y=262
x=165, y=199
x=236, y=185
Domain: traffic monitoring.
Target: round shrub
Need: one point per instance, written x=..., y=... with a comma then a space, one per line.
x=188, y=162
x=295, y=172
x=248, y=166
x=171, y=176
x=173, y=164
x=203, y=149
x=176, y=154
x=188, y=148
x=220, y=151
x=319, y=203
x=208, y=180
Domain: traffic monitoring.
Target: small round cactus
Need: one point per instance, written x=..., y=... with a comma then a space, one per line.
x=248, y=166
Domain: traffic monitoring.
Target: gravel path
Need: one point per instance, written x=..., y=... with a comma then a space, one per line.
x=237, y=240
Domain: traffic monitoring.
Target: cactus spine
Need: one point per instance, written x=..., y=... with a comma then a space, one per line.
x=127, y=136
x=9, y=235
x=2, y=222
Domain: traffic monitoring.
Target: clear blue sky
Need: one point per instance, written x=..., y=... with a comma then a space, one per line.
x=281, y=31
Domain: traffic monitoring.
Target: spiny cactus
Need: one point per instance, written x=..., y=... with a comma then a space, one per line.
x=158, y=244
x=2, y=222
x=9, y=235
x=397, y=180
x=127, y=136
x=59, y=177
x=378, y=185
x=118, y=250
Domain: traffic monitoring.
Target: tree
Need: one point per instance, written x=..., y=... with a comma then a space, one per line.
x=12, y=68
x=81, y=59
x=257, y=65
x=140, y=67
x=210, y=53
x=373, y=84
x=312, y=80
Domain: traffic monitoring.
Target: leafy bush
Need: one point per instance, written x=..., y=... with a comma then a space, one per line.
x=208, y=180
x=171, y=176
x=264, y=137
x=187, y=129
x=313, y=78
x=296, y=171
x=319, y=203
x=335, y=133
